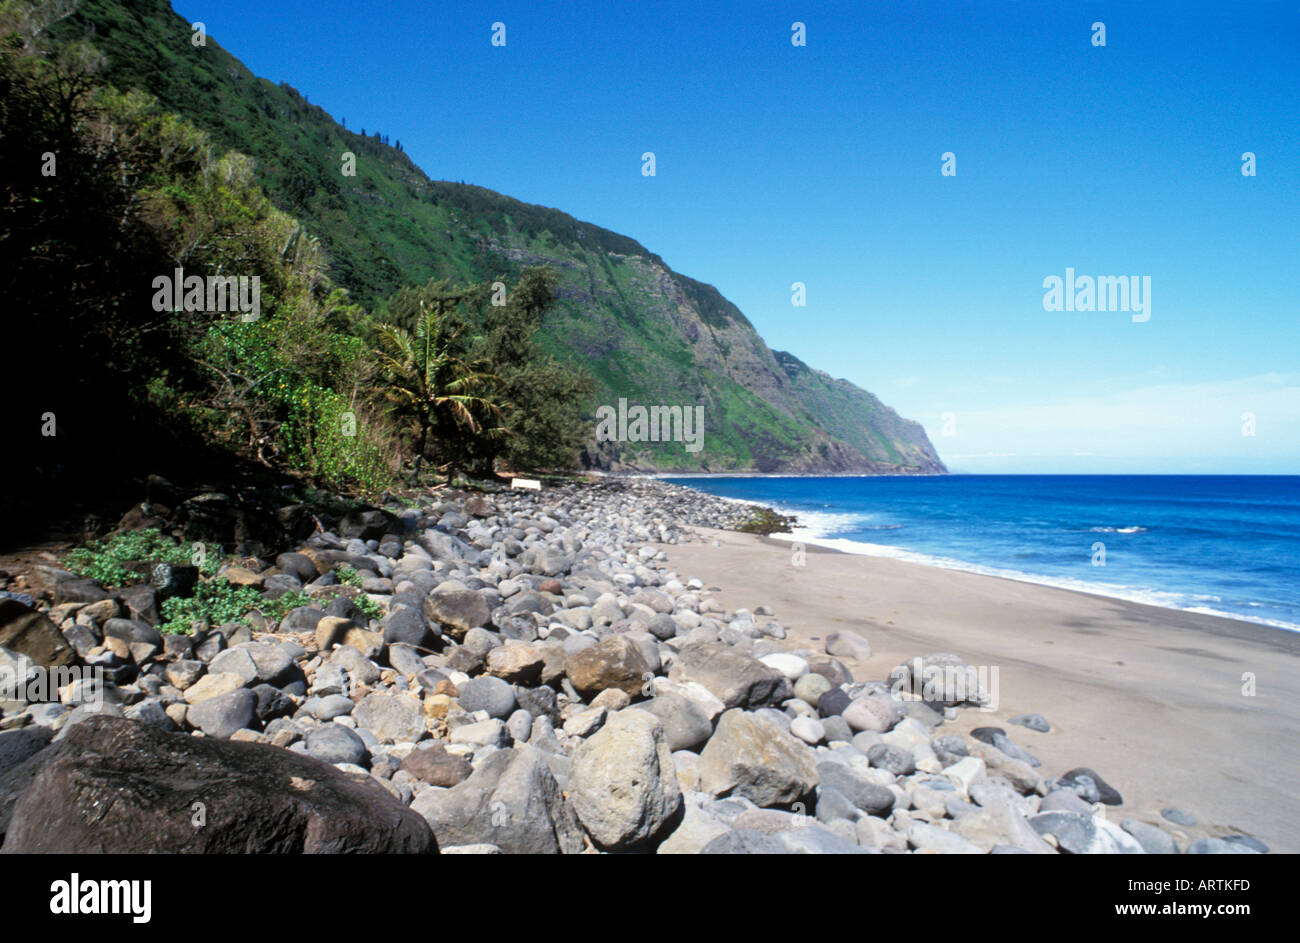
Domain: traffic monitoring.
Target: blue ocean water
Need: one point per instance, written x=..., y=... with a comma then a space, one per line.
x=1228, y=545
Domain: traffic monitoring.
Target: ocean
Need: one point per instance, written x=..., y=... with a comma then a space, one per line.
x=1218, y=544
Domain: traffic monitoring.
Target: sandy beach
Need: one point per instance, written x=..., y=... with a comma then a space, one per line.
x=1150, y=698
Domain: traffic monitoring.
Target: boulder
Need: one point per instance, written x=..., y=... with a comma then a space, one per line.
x=457, y=611
x=1080, y=834
x=121, y=787
x=16, y=746
x=435, y=766
x=489, y=694
x=624, y=784
x=855, y=787
x=334, y=743
x=846, y=644
x=615, y=662
x=393, y=718
x=512, y=801
x=751, y=758
x=366, y=524
x=222, y=715
x=874, y=712
x=518, y=664
x=736, y=679
x=685, y=725
x=25, y=631
x=406, y=626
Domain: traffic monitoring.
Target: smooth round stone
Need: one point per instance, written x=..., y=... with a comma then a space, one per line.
x=1217, y=846
x=792, y=666
x=1179, y=817
x=1064, y=800
x=335, y=743
x=811, y=687
x=489, y=694
x=896, y=760
x=331, y=706
x=1154, y=841
x=836, y=729
x=1254, y=844
x=1032, y=721
x=808, y=729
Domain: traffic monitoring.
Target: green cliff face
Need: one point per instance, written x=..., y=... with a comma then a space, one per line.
x=648, y=334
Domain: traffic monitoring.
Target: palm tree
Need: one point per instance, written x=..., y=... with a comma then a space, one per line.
x=429, y=382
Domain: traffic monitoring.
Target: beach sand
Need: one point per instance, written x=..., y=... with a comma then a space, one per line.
x=1150, y=698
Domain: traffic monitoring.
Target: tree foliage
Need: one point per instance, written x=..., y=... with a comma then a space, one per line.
x=102, y=191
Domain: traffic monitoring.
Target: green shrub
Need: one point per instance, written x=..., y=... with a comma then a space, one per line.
x=367, y=605
x=105, y=561
x=215, y=602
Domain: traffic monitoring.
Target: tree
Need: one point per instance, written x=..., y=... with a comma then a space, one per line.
x=429, y=382
x=546, y=397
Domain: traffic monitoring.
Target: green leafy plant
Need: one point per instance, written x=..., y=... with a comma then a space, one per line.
x=215, y=602
x=367, y=605
x=219, y=601
x=107, y=561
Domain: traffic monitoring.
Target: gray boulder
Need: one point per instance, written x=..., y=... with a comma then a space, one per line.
x=624, y=783
x=736, y=679
x=686, y=726
x=512, y=801
x=857, y=789
x=222, y=715
x=751, y=758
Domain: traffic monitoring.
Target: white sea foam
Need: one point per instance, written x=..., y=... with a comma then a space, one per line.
x=1182, y=602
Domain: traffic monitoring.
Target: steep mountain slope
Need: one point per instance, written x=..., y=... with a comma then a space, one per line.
x=648, y=334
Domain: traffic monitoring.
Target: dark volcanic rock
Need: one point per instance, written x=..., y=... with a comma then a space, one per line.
x=171, y=580
x=1107, y=793
x=116, y=786
x=436, y=766
x=17, y=745
x=459, y=611
x=31, y=633
x=368, y=525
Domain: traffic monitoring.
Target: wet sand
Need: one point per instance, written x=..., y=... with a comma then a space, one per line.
x=1150, y=698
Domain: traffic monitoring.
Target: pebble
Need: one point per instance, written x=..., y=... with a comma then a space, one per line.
x=509, y=614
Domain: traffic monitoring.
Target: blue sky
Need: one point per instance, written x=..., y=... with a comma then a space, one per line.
x=821, y=165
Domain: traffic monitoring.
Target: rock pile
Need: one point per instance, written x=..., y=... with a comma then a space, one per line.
x=539, y=681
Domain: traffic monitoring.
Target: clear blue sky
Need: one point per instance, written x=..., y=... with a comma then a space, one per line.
x=821, y=165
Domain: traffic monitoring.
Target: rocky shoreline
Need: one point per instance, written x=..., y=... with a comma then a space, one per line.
x=506, y=672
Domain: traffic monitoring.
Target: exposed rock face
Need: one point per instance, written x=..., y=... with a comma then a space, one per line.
x=119, y=787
